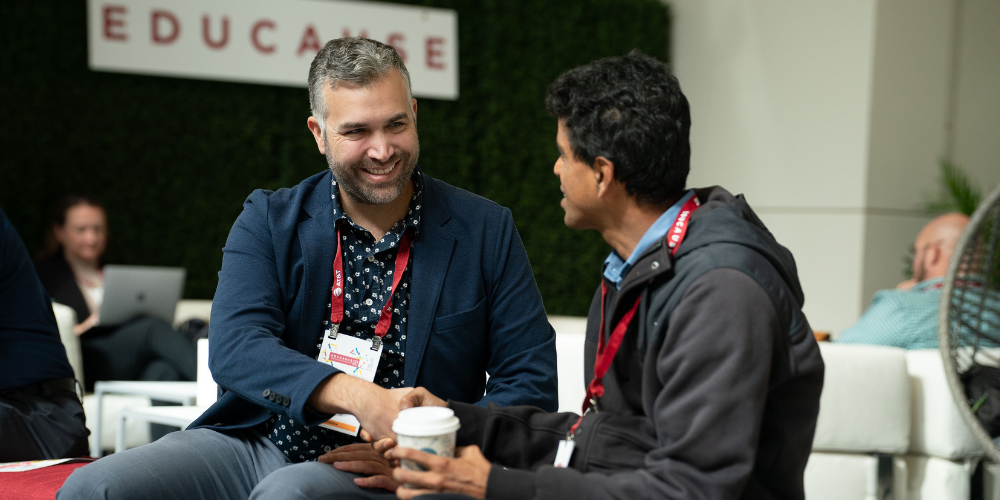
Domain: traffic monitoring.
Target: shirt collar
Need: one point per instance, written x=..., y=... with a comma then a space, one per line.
x=928, y=284
x=412, y=217
x=615, y=268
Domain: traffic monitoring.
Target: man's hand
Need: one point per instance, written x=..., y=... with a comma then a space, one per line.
x=367, y=459
x=378, y=414
x=374, y=406
x=420, y=397
x=467, y=473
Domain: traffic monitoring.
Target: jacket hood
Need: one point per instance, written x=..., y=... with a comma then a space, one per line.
x=724, y=218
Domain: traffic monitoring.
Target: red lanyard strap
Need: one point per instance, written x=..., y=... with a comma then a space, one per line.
x=337, y=298
x=606, y=352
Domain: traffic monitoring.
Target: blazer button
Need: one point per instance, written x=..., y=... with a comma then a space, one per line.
x=272, y=396
x=266, y=393
x=286, y=401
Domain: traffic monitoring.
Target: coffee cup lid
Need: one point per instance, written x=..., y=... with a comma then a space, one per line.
x=425, y=421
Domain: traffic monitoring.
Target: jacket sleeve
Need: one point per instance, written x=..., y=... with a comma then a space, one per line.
x=522, y=360
x=247, y=355
x=713, y=367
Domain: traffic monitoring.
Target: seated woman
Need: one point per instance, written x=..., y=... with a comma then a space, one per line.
x=69, y=267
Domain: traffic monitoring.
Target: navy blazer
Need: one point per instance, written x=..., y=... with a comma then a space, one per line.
x=474, y=306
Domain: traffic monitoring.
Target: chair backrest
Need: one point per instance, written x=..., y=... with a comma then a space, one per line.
x=570, y=339
x=206, y=384
x=865, y=405
x=66, y=320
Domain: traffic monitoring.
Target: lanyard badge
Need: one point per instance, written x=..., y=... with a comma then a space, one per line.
x=352, y=355
x=606, y=350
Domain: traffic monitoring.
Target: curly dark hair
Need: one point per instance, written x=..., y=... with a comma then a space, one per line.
x=630, y=110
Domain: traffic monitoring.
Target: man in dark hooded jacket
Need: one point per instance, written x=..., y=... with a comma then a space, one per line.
x=714, y=386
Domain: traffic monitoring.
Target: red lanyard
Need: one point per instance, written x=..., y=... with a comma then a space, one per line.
x=337, y=298
x=606, y=352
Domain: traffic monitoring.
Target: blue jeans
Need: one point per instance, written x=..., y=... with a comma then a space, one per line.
x=203, y=463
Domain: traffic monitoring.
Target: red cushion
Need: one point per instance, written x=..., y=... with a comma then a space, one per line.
x=38, y=484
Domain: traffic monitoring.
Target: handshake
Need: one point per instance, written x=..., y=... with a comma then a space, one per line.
x=379, y=459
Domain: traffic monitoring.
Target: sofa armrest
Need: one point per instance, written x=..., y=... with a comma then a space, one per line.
x=938, y=428
x=192, y=309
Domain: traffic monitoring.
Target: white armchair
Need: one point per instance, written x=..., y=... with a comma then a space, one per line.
x=102, y=435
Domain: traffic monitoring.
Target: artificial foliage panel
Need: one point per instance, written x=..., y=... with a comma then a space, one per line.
x=173, y=159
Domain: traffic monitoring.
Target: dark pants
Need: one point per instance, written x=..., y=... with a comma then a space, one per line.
x=210, y=465
x=142, y=349
x=41, y=421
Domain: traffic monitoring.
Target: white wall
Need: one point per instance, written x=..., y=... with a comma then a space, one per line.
x=976, y=131
x=780, y=100
x=830, y=117
x=911, y=88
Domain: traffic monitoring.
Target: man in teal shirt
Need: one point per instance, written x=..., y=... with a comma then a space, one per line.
x=907, y=316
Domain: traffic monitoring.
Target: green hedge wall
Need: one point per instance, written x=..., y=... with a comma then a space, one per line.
x=173, y=159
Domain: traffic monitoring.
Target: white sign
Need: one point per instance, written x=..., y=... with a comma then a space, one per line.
x=266, y=41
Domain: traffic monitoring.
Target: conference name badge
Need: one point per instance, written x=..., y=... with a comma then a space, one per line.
x=355, y=357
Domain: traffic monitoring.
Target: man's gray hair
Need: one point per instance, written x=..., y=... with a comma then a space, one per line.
x=354, y=59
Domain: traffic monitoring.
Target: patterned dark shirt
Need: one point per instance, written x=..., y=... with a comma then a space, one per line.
x=368, y=268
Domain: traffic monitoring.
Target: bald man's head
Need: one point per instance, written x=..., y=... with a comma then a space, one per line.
x=935, y=244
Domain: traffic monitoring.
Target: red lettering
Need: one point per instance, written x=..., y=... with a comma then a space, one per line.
x=175, y=27
x=347, y=33
x=255, y=36
x=340, y=358
x=310, y=41
x=110, y=22
x=396, y=41
x=434, y=53
x=206, y=28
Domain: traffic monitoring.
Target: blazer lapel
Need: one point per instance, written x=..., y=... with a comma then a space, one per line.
x=432, y=250
x=317, y=240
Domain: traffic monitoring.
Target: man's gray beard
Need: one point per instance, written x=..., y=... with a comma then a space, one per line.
x=347, y=177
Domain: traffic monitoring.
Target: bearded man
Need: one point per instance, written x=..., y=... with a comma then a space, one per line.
x=907, y=316
x=338, y=295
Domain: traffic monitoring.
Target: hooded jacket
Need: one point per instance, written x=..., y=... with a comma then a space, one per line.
x=713, y=393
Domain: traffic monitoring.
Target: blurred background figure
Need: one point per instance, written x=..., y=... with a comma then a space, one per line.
x=40, y=413
x=907, y=316
x=70, y=267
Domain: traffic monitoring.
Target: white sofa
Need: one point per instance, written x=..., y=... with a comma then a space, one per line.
x=137, y=431
x=890, y=402
x=887, y=419
x=887, y=423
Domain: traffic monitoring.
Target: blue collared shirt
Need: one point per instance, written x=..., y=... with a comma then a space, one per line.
x=909, y=318
x=615, y=268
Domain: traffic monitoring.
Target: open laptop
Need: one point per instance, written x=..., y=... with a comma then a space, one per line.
x=131, y=291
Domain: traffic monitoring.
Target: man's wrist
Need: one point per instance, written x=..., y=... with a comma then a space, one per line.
x=329, y=395
x=342, y=393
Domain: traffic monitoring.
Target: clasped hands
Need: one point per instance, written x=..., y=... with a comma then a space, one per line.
x=378, y=459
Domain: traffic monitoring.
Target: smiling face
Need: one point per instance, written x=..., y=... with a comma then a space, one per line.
x=370, y=139
x=578, y=183
x=84, y=234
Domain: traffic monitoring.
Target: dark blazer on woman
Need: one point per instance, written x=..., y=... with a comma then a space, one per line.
x=57, y=277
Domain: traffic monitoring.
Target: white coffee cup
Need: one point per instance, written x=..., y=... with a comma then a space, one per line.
x=430, y=429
